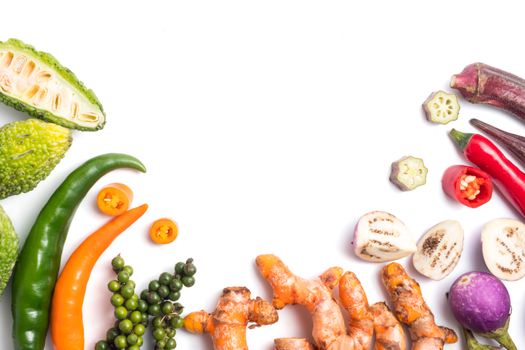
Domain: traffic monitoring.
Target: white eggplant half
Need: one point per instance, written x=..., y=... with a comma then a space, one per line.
x=380, y=237
x=503, y=242
x=439, y=250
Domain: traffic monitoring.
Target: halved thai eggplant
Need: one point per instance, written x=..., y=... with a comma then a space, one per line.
x=439, y=250
x=503, y=242
x=380, y=236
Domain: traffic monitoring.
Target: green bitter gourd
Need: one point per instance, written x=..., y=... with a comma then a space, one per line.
x=35, y=82
x=29, y=151
x=8, y=249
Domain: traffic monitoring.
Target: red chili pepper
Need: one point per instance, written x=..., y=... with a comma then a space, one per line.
x=507, y=177
x=469, y=186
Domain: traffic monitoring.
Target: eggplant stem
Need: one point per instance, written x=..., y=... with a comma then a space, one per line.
x=473, y=344
x=502, y=336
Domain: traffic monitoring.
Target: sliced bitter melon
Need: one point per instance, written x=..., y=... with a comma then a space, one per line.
x=29, y=151
x=35, y=82
x=8, y=249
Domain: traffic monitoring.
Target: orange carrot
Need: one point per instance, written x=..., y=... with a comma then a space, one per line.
x=163, y=231
x=67, y=329
x=114, y=199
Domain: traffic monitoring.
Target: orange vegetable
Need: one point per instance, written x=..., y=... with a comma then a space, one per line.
x=114, y=199
x=163, y=231
x=67, y=329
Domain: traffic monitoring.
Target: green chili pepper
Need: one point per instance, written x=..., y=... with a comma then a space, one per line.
x=39, y=261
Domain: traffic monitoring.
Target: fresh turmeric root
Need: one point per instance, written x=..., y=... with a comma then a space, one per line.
x=292, y=344
x=411, y=309
x=389, y=332
x=360, y=319
x=329, y=331
x=227, y=324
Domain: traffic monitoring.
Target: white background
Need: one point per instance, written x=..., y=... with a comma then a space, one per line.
x=266, y=127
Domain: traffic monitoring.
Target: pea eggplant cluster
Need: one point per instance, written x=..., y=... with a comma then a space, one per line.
x=159, y=302
x=162, y=295
x=130, y=312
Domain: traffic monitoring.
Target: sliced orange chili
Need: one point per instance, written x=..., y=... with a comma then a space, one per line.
x=163, y=231
x=114, y=199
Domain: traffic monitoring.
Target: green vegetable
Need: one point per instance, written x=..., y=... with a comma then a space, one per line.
x=117, y=300
x=408, y=173
x=39, y=261
x=139, y=329
x=163, y=291
x=165, y=278
x=121, y=342
x=29, y=151
x=123, y=276
x=8, y=249
x=154, y=285
x=125, y=326
x=35, y=82
x=101, y=345
x=132, y=339
x=114, y=286
x=131, y=304
x=117, y=263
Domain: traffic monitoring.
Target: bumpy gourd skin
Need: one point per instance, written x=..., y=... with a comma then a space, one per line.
x=29, y=151
x=27, y=105
x=8, y=249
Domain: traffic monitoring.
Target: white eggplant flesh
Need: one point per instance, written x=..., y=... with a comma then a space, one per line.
x=503, y=242
x=380, y=236
x=439, y=250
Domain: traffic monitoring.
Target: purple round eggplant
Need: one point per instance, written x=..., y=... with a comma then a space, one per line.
x=480, y=302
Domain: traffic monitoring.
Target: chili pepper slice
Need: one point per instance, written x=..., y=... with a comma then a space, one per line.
x=163, y=231
x=114, y=199
x=468, y=185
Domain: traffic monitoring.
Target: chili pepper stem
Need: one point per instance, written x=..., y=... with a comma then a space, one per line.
x=460, y=138
x=502, y=336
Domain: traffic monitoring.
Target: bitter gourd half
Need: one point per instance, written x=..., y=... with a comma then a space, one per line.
x=35, y=82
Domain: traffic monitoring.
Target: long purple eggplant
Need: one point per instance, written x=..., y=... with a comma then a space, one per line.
x=512, y=142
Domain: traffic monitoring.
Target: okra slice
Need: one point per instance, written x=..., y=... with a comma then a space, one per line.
x=408, y=173
x=35, y=82
x=441, y=107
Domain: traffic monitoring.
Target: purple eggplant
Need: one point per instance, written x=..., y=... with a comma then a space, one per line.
x=481, y=303
x=512, y=142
